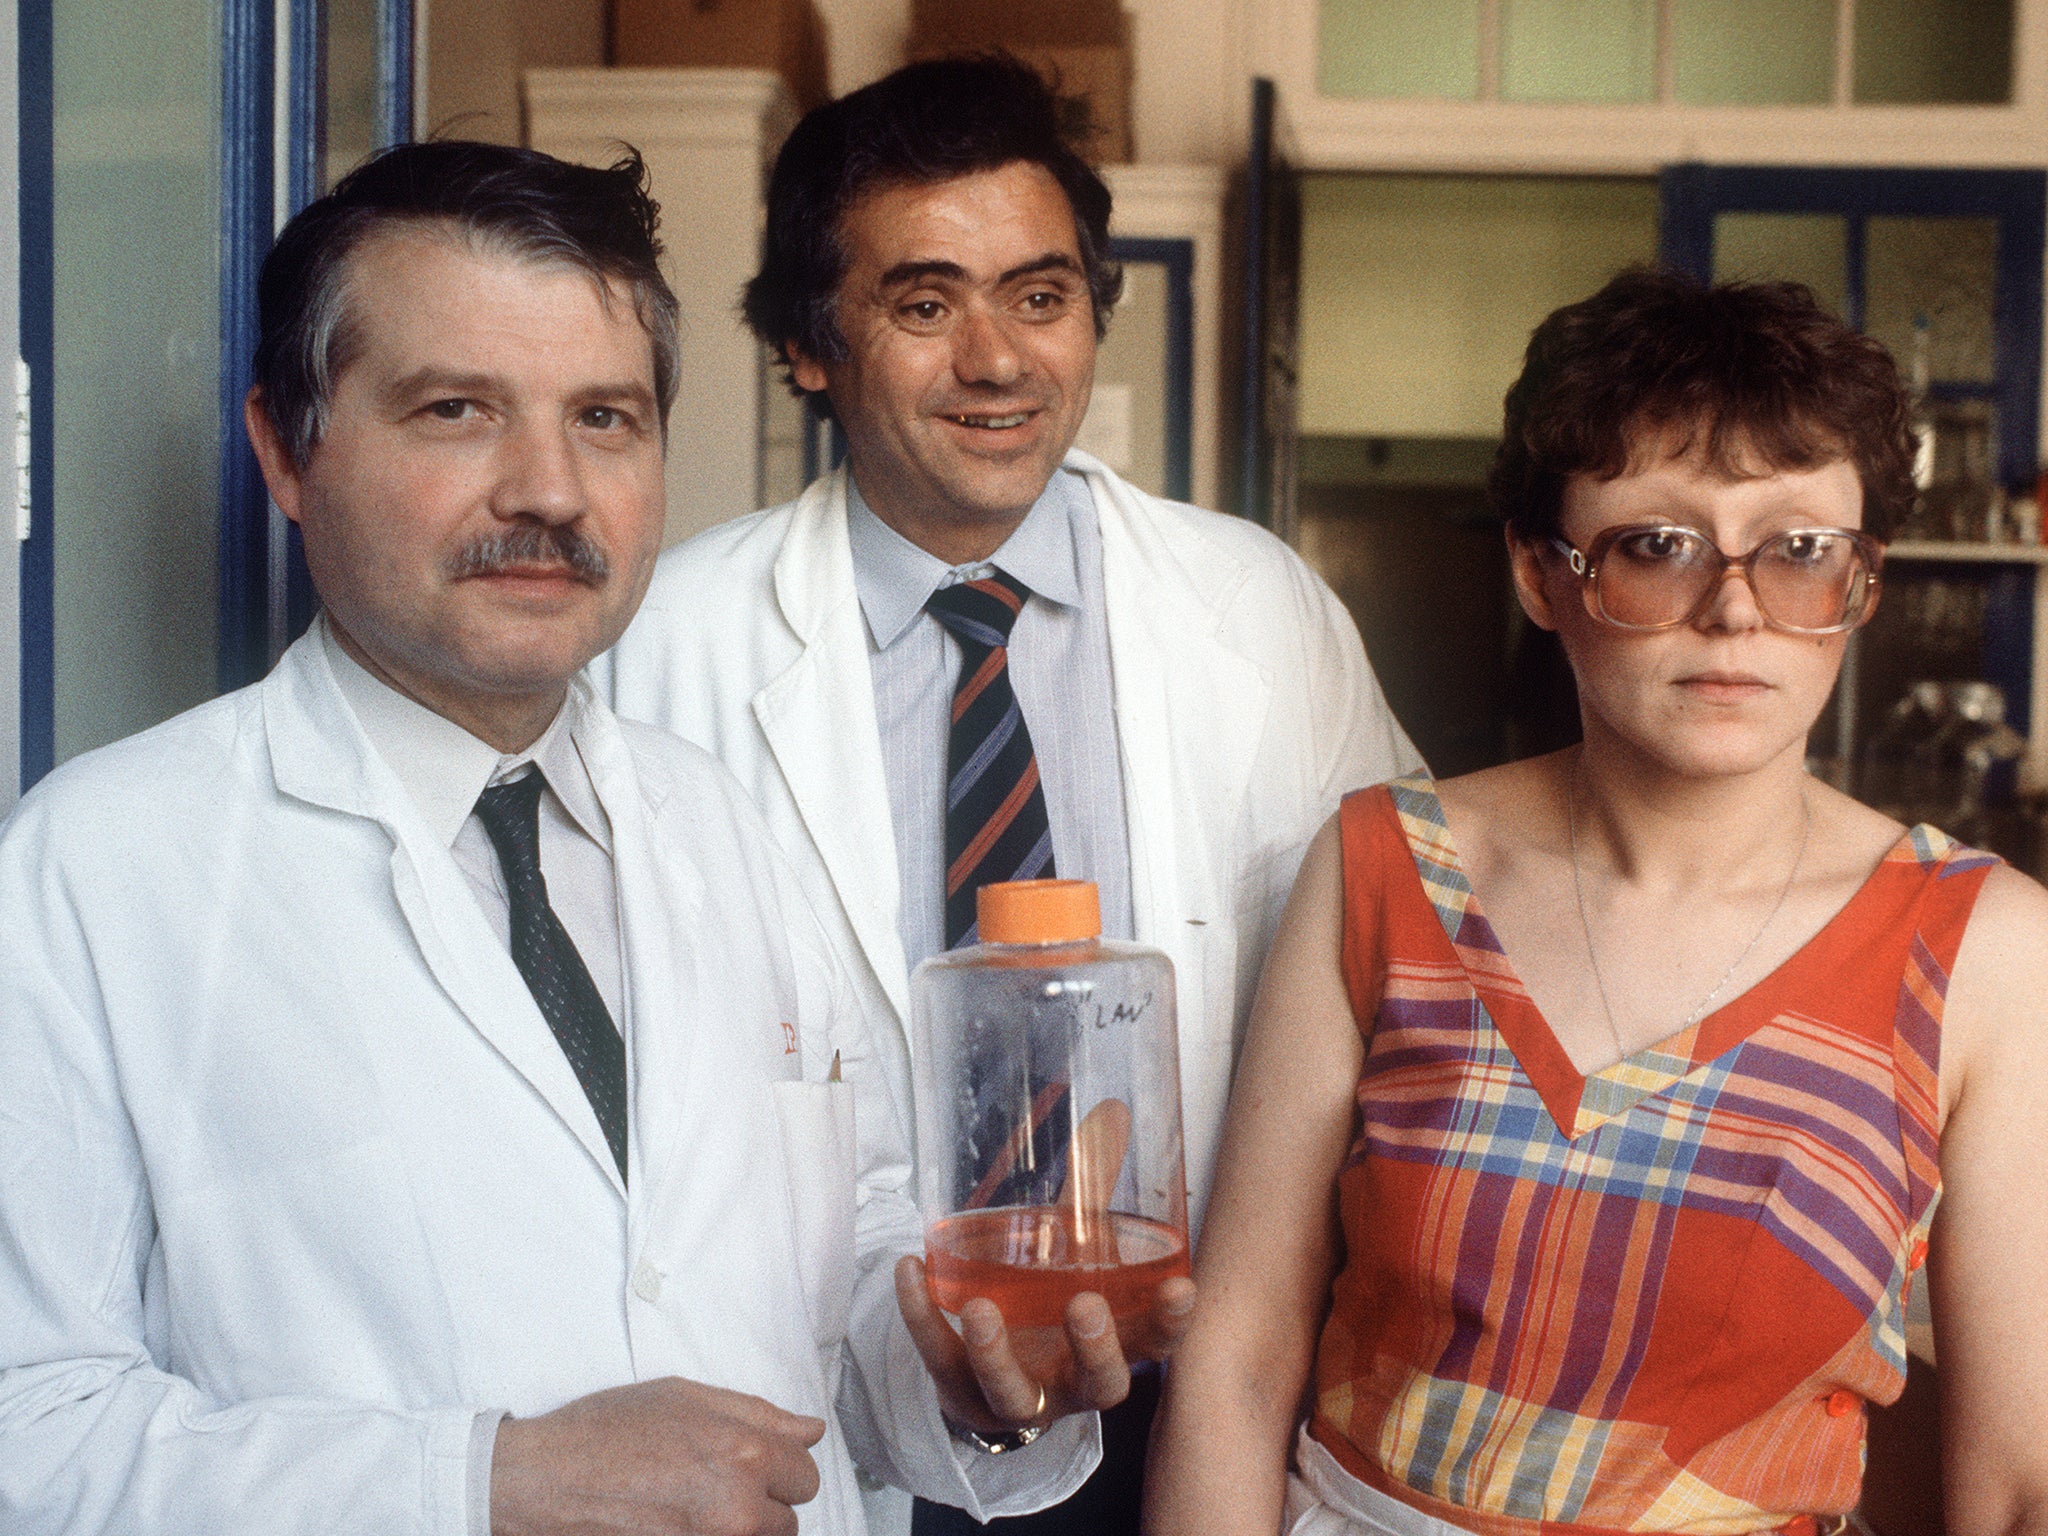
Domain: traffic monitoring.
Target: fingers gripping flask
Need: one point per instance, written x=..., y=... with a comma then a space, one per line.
x=1048, y=1112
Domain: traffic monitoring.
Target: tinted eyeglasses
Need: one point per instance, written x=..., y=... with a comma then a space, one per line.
x=1810, y=581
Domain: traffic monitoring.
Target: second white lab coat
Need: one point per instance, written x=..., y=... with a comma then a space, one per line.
x=295, y=1180
x=1245, y=709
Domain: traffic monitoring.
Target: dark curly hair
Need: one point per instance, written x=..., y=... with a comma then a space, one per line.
x=516, y=201
x=1738, y=372
x=927, y=122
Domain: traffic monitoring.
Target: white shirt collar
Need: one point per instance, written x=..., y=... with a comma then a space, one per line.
x=444, y=768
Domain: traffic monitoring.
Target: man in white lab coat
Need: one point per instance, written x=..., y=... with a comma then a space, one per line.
x=430, y=1105
x=1193, y=699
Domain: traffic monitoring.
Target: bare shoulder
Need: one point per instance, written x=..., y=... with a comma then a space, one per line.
x=1495, y=794
x=1848, y=839
x=1995, y=1022
x=1496, y=815
x=2005, y=945
x=1320, y=881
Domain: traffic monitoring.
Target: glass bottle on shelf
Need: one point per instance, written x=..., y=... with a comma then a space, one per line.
x=1900, y=773
x=1923, y=421
x=1979, y=756
x=1959, y=500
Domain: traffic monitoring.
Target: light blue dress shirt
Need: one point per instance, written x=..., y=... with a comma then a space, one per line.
x=1059, y=666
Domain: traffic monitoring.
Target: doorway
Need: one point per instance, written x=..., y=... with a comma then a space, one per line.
x=1418, y=296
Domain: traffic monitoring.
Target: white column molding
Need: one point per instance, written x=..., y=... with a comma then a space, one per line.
x=709, y=137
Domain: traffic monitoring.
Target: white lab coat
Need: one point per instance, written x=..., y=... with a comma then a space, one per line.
x=294, y=1179
x=1245, y=709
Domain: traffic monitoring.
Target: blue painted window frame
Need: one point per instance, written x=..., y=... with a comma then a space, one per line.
x=266, y=594
x=1177, y=256
x=248, y=210
x=1691, y=195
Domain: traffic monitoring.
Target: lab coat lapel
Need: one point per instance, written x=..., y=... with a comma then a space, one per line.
x=320, y=755
x=1189, y=710
x=660, y=907
x=819, y=719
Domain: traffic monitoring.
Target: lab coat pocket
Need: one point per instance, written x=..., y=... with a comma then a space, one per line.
x=823, y=1161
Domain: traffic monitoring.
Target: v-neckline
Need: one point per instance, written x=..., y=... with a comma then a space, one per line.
x=1583, y=1102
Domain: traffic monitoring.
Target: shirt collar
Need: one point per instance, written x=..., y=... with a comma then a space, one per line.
x=444, y=768
x=894, y=577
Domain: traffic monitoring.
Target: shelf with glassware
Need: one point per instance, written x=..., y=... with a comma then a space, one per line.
x=1951, y=675
x=1951, y=678
x=1943, y=712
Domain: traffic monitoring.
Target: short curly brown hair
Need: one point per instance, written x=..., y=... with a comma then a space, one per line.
x=1739, y=372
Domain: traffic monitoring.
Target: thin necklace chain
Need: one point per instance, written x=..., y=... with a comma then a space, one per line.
x=1571, y=807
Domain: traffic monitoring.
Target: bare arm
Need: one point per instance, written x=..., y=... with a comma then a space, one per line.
x=1990, y=1248
x=1219, y=1451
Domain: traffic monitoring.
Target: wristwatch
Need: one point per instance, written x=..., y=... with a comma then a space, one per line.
x=996, y=1445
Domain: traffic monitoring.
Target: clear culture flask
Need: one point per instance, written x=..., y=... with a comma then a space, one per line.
x=1048, y=1112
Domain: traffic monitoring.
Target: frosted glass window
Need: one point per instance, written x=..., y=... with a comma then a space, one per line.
x=1399, y=48
x=1753, y=52
x=1945, y=270
x=1921, y=51
x=136, y=363
x=1809, y=248
x=1578, y=50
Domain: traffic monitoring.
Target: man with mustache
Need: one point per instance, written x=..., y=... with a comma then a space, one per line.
x=431, y=1105
x=1178, y=701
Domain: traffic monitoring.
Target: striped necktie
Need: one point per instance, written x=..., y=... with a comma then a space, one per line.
x=996, y=826
x=547, y=959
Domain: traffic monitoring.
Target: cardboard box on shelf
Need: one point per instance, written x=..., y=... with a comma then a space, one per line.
x=787, y=36
x=1082, y=46
x=952, y=25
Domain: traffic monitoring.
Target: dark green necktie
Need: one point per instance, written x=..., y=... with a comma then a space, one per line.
x=547, y=958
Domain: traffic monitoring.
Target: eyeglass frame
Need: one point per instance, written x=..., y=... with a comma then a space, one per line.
x=1585, y=564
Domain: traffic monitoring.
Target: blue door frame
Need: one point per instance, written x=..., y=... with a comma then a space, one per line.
x=248, y=213
x=35, y=63
x=1177, y=256
x=265, y=596
x=1269, y=321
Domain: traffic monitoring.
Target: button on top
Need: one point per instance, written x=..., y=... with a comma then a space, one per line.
x=647, y=1282
x=1918, y=1256
x=1842, y=1402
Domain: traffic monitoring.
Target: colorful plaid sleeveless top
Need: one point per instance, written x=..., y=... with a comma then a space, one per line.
x=1655, y=1299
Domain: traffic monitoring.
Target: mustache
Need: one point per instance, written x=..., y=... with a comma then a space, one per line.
x=530, y=544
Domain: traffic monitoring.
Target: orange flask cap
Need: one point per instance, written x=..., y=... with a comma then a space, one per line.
x=1038, y=912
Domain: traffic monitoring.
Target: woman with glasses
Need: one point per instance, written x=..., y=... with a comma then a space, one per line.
x=1594, y=1117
